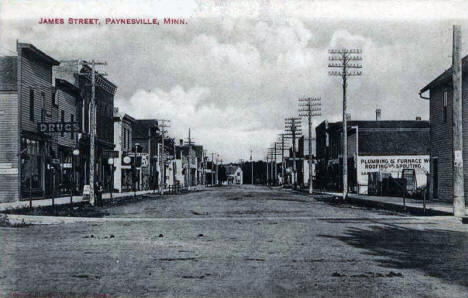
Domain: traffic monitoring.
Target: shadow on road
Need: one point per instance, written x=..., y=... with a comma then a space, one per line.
x=437, y=253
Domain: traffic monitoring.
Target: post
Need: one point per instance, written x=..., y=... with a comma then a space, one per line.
x=212, y=169
x=293, y=128
x=72, y=179
x=251, y=168
x=282, y=160
x=267, y=172
x=92, y=136
x=311, y=187
x=345, y=137
x=458, y=179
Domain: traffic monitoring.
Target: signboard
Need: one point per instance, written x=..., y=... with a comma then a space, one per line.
x=393, y=165
x=127, y=159
x=86, y=190
x=8, y=171
x=66, y=166
x=56, y=161
x=144, y=161
x=6, y=165
x=59, y=127
x=111, y=154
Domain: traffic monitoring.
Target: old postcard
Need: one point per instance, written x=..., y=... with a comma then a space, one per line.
x=233, y=148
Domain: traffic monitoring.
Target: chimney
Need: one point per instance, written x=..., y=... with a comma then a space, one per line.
x=418, y=118
x=181, y=142
x=378, y=114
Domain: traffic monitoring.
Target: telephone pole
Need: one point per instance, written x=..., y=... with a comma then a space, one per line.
x=267, y=173
x=251, y=168
x=212, y=169
x=282, y=158
x=92, y=128
x=163, y=124
x=341, y=59
x=310, y=107
x=458, y=180
x=293, y=126
x=189, y=142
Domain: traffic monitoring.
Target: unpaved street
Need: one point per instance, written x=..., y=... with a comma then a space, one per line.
x=238, y=241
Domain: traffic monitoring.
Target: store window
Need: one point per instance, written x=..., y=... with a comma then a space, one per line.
x=31, y=165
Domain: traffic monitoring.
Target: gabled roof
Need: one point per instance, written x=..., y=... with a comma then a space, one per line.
x=445, y=77
x=8, y=73
x=27, y=47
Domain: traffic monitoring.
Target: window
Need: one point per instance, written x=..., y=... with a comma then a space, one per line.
x=72, y=119
x=31, y=104
x=62, y=119
x=54, y=98
x=445, y=106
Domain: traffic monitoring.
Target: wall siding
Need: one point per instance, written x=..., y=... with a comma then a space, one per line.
x=9, y=191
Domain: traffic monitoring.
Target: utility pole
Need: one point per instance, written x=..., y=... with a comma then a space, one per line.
x=458, y=181
x=293, y=126
x=212, y=169
x=341, y=59
x=189, y=142
x=163, y=124
x=282, y=158
x=310, y=107
x=92, y=129
x=267, y=174
x=251, y=168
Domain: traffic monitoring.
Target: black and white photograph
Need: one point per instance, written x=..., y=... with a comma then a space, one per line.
x=260, y=148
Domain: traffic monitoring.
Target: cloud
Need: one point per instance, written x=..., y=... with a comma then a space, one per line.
x=233, y=79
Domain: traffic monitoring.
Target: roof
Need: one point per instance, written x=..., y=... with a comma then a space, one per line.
x=65, y=85
x=445, y=77
x=27, y=47
x=8, y=70
x=140, y=127
x=381, y=124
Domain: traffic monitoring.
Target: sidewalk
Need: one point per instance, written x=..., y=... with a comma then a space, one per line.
x=78, y=199
x=396, y=203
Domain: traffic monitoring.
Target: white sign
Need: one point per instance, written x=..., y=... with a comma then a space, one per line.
x=86, y=190
x=144, y=161
x=393, y=165
x=127, y=159
x=10, y=171
x=66, y=166
x=6, y=165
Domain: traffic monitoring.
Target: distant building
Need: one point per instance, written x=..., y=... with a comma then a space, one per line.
x=146, y=135
x=123, y=139
x=373, y=146
x=234, y=174
x=441, y=132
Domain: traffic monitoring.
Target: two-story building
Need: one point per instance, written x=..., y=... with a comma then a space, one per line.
x=123, y=139
x=441, y=133
x=28, y=157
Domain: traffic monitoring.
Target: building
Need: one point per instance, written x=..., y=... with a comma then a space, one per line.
x=67, y=99
x=234, y=174
x=303, y=145
x=441, y=132
x=123, y=140
x=145, y=138
x=28, y=157
x=385, y=147
x=104, y=99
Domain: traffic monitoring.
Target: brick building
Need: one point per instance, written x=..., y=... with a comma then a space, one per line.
x=441, y=133
x=373, y=146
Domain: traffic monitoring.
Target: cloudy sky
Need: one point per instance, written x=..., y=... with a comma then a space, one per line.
x=236, y=70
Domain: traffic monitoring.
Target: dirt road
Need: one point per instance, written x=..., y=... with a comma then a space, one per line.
x=238, y=241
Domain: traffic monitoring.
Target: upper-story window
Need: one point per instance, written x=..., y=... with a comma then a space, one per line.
x=445, y=106
x=31, y=104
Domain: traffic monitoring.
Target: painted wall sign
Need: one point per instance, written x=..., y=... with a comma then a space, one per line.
x=391, y=164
